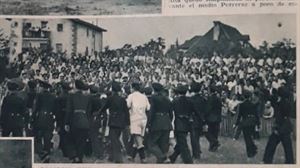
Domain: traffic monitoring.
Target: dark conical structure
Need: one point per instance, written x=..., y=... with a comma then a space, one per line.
x=220, y=38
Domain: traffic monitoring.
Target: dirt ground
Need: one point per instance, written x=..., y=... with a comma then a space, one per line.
x=15, y=153
x=230, y=152
x=79, y=7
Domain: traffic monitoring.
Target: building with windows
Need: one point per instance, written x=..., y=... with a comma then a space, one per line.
x=62, y=35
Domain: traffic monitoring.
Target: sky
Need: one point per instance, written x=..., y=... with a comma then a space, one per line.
x=139, y=30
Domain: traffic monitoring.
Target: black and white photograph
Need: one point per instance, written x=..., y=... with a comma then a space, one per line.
x=79, y=7
x=151, y=90
x=16, y=153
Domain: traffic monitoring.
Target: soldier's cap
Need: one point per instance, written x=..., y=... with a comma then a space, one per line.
x=12, y=86
x=148, y=90
x=94, y=89
x=44, y=84
x=283, y=92
x=214, y=88
x=32, y=84
x=136, y=86
x=15, y=84
x=79, y=84
x=116, y=86
x=195, y=87
x=182, y=89
x=247, y=94
x=66, y=86
x=157, y=87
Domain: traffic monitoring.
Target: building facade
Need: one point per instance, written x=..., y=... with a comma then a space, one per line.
x=62, y=35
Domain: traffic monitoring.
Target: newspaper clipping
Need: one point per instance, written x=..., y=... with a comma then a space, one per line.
x=143, y=83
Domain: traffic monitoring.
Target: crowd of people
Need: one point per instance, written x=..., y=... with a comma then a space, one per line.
x=143, y=95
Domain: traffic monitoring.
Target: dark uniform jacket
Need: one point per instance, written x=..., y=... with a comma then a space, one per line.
x=99, y=118
x=118, y=111
x=61, y=103
x=31, y=95
x=183, y=110
x=13, y=111
x=44, y=111
x=282, y=117
x=161, y=114
x=78, y=112
x=214, y=109
x=199, y=104
x=248, y=114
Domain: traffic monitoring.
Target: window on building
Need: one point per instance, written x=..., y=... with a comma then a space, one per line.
x=60, y=27
x=15, y=44
x=87, y=32
x=94, y=34
x=59, y=48
x=86, y=51
x=27, y=25
x=15, y=24
x=44, y=24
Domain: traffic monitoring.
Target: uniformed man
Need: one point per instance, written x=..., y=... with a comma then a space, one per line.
x=77, y=119
x=247, y=120
x=183, y=110
x=213, y=118
x=199, y=104
x=61, y=104
x=43, y=121
x=138, y=105
x=118, y=120
x=31, y=97
x=96, y=133
x=13, y=110
x=160, y=118
x=282, y=130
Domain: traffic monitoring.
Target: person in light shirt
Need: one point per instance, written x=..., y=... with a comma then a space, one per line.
x=138, y=105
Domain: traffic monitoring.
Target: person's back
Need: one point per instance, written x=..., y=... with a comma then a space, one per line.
x=138, y=104
x=118, y=111
x=161, y=113
x=12, y=111
x=214, y=109
x=183, y=109
x=78, y=110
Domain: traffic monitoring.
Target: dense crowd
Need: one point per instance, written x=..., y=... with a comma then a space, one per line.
x=231, y=79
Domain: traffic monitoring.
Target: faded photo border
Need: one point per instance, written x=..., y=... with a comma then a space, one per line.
x=166, y=13
x=30, y=139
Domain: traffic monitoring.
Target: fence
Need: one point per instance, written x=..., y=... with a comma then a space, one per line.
x=229, y=120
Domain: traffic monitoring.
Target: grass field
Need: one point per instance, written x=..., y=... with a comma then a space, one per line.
x=79, y=7
x=230, y=152
x=15, y=154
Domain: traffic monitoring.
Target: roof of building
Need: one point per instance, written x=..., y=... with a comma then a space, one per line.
x=95, y=27
x=228, y=41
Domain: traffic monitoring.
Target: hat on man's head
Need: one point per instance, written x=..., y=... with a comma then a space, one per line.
x=136, y=86
x=94, y=89
x=195, y=87
x=44, y=84
x=79, y=84
x=247, y=94
x=32, y=84
x=148, y=90
x=66, y=86
x=157, y=87
x=182, y=89
x=116, y=87
x=12, y=86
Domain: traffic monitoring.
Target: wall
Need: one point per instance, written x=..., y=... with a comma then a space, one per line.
x=84, y=41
